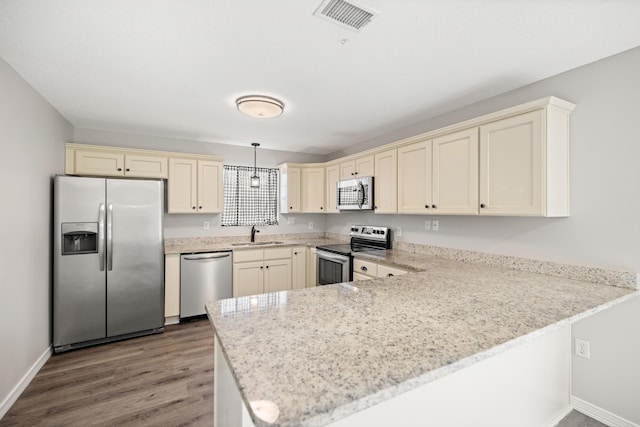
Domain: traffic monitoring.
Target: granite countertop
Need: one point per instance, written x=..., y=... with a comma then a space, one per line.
x=321, y=354
x=217, y=244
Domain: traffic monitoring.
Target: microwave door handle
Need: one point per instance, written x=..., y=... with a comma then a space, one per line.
x=101, y=231
x=360, y=195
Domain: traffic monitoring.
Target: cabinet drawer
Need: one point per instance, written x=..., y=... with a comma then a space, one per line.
x=277, y=253
x=386, y=271
x=358, y=276
x=365, y=267
x=249, y=255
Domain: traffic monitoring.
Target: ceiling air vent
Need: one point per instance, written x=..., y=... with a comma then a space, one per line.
x=352, y=15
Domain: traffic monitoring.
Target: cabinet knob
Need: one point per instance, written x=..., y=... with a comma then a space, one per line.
x=128, y=170
x=267, y=266
x=290, y=207
x=193, y=207
x=363, y=268
x=433, y=206
x=482, y=205
x=295, y=253
x=352, y=173
x=426, y=206
x=261, y=267
x=119, y=169
x=356, y=173
x=199, y=207
x=390, y=275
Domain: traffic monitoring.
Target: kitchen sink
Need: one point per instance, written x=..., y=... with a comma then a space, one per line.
x=256, y=243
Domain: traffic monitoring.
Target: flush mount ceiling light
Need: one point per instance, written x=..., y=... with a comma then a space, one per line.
x=255, y=179
x=260, y=106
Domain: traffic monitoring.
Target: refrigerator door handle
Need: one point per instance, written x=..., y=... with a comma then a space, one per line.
x=101, y=231
x=110, y=237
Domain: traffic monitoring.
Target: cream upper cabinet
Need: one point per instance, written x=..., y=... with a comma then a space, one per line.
x=299, y=267
x=101, y=162
x=290, y=185
x=524, y=165
x=385, y=188
x=361, y=166
x=194, y=186
x=332, y=174
x=414, y=178
x=313, y=193
x=258, y=271
x=455, y=173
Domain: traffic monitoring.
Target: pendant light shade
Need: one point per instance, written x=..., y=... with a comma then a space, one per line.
x=255, y=179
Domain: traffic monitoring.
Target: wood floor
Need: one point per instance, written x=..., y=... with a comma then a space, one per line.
x=159, y=380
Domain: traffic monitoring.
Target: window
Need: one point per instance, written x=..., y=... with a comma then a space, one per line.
x=244, y=205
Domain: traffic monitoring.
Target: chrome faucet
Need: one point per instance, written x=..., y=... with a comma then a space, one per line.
x=253, y=233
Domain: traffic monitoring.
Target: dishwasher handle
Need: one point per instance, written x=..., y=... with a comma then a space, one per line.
x=194, y=258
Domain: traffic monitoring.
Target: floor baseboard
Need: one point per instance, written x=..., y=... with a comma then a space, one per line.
x=600, y=414
x=24, y=381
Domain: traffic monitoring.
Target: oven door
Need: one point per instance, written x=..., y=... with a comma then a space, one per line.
x=332, y=268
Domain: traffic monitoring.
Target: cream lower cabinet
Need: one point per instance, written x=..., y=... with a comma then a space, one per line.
x=195, y=186
x=385, y=182
x=258, y=271
x=365, y=269
x=524, y=164
x=299, y=267
x=455, y=173
x=172, y=288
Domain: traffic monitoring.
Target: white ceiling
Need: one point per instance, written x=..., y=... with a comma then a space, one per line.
x=175, y=67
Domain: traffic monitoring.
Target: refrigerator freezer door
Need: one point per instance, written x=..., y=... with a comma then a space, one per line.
x=78, y=284
x=135, y=280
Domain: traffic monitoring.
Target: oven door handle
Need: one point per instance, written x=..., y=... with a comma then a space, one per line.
x=336, y=258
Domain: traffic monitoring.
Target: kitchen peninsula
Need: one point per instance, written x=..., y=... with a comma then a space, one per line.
x=458, y=342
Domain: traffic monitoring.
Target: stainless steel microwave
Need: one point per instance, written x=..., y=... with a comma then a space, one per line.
x=355, y=194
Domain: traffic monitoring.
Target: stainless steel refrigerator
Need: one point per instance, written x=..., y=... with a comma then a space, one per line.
x=108, y=278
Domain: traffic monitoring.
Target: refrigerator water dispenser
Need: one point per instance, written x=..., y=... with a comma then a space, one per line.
x=79, y=238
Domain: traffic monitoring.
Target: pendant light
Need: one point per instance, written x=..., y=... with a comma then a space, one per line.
x=255, y=179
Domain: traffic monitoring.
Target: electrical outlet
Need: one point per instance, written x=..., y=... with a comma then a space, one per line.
x=205, y=225
x=291, y=220
x=427, y=224
x=398, y=231
x=435, y=225
x=583, y=349
x=310, y=226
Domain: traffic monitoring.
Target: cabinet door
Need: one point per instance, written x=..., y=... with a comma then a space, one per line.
x=145, y=166
x=385, y=182
x=511, y=166
x=348, y=169
x=172, y=285
x=182, y=186
x=312, y=190
x=290, y=183
x=210, y=186
x=99, y=163
x=455, y=173
x=332, y=174
x=248, y=278
x=277, y=275
x=365, y=166
x=299, y=267
x=414, y=178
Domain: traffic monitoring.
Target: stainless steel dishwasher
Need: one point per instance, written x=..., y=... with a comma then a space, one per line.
x=204, y=277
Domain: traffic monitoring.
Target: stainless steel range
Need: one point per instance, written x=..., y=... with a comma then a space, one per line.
x=334, y=262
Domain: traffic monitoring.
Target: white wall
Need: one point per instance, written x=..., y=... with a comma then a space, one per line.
x=601, y=231
x=32, y=135
x=192, y=225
